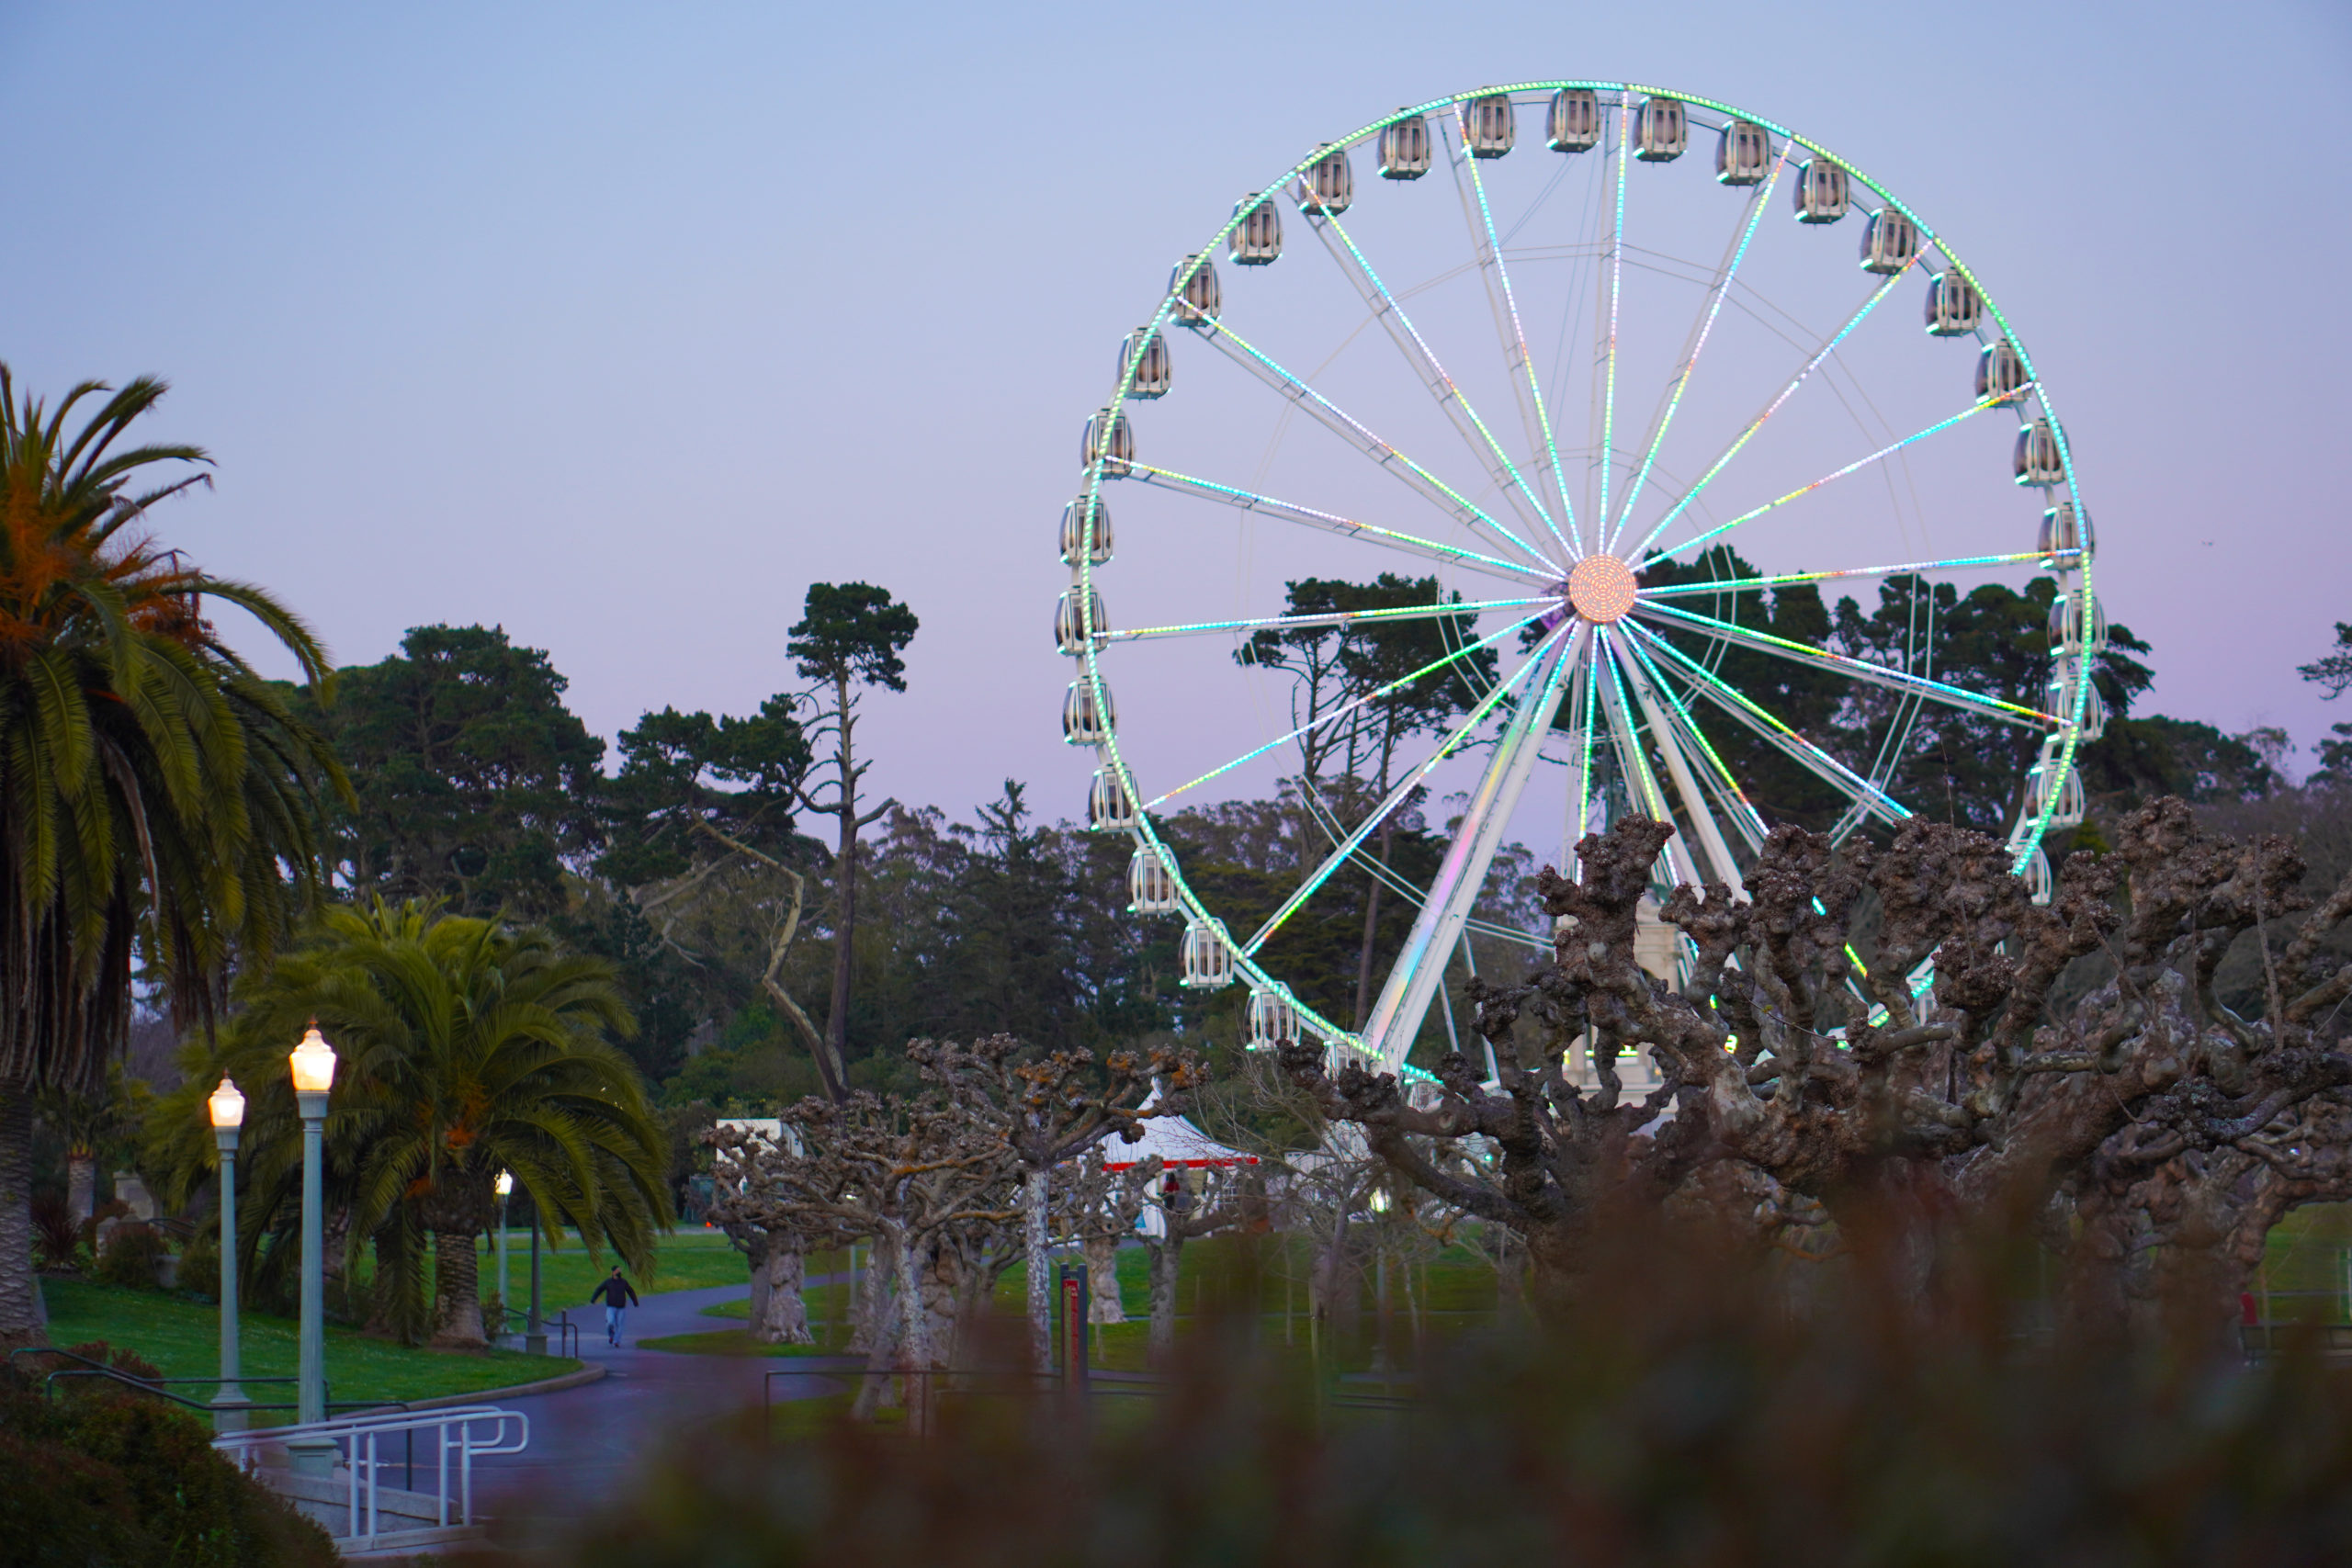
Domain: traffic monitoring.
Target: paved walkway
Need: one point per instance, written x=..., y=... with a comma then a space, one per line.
x=589, y=1443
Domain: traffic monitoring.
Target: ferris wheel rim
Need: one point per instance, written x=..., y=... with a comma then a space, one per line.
x=1633, y=649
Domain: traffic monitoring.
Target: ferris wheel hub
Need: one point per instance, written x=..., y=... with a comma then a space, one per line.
x=1601, y=589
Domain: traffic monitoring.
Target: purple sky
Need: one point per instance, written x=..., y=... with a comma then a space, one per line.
x=620, y=325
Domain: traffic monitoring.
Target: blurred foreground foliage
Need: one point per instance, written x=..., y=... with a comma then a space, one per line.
x=99, y=1474
x=1698, y=1406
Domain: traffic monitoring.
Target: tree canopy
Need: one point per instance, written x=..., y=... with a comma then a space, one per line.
x=475, y=783
x=157, y=797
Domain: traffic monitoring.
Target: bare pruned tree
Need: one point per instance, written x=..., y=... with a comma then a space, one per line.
x=899, y=1171
x=1192, y=1205
x=1796, y=1080
x=1097, y=1207
x=1049, y=1108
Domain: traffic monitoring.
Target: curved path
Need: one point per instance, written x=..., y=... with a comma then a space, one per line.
x=588, y=1443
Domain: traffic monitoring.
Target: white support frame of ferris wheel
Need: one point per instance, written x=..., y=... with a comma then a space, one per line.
x=1396, y=1019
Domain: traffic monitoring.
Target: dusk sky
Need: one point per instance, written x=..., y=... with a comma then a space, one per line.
x=620, y=325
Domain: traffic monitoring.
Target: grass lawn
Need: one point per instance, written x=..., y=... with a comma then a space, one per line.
x=183, y=1337
x=2303, y=1265
x=1455, y=1290
x=690, y=1260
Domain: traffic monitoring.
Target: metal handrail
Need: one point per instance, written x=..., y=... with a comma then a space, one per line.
x=567, y=1331
x=90, y=1368
x=508, y=1432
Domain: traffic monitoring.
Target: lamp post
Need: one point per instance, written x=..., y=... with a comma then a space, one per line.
x=505, y=1186
x=535, y=1333
x=313, y=1064
x=227, y=1111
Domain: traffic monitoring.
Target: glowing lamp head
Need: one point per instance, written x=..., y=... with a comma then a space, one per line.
x=1380, y=1200
x=313, y=1063
x=505, y=1183
x=227, y=1106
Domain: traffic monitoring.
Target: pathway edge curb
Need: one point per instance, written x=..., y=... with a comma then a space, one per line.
x=556, y=1384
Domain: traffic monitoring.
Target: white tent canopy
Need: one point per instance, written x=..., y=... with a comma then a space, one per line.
x=1177, y=1143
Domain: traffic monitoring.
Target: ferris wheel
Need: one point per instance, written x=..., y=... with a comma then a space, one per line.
x=1586, y=398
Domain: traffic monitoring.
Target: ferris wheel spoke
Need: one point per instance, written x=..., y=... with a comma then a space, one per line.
x=1389, y=878
x=1855, y=466
x=1422, y=482
x=1451, y=398
x=1718, y=775
x=1776, y=732
x=1335, y=715
x=1585, y=705
x=1785, y=578
x=1861, y=669
x=1420, y=967
x=1467, y=607
x=1396, y=798
x=1667, y=737
x=1514, y=334
x=1608, y=454
x=1633, y=760
x=1271, y=506
x=1829, y=347
x=1716, y=293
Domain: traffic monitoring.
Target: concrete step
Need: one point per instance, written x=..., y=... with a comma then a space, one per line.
x=402, y=1515
x=395, y=1545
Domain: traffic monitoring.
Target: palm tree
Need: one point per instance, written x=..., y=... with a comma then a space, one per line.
x=157, y=797
x=468, y=1047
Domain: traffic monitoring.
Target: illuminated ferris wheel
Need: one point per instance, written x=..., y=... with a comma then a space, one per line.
x=1606, y=411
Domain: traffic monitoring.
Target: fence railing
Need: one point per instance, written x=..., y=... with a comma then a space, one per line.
x=516, y=1320
x=161, y=1388
x=460, y=1434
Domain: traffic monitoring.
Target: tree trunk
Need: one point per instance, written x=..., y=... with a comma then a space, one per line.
x=456, y=1288
x=1041, y=1301
x=1102, y=1304
x=872, y=1308
x=943, y=1293
x=756, y=1253
x=914, y=1333
x=779, y=1314
x=19, y=1322
x=881, y=1356
x=1166, y=1255
x=1333, y=1290
x=845, y=878
x=914, y=1309
x=82, y=1184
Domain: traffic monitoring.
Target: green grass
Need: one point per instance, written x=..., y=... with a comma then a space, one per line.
x=1455, y=1290
x=690, y=1260
x=183, y=1338
x=739, y=1342
x=2303, y=1265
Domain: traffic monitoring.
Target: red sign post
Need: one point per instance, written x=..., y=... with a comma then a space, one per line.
x=1074, y=1315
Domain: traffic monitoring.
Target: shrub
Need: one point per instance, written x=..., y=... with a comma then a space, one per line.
x=130, y=1256
x=200, y=1267
x=57, y=1235
x=1701, y=1412
x=103, y=1474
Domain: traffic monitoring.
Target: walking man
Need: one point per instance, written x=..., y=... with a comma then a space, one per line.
x=618, y=1296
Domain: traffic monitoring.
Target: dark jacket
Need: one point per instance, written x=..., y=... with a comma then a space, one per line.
x=614, y=1291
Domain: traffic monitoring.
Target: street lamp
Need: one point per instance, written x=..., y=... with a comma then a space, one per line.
x=535, y=1332
x=313, y=1064
x=227, y=1111
x=505, y=1186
